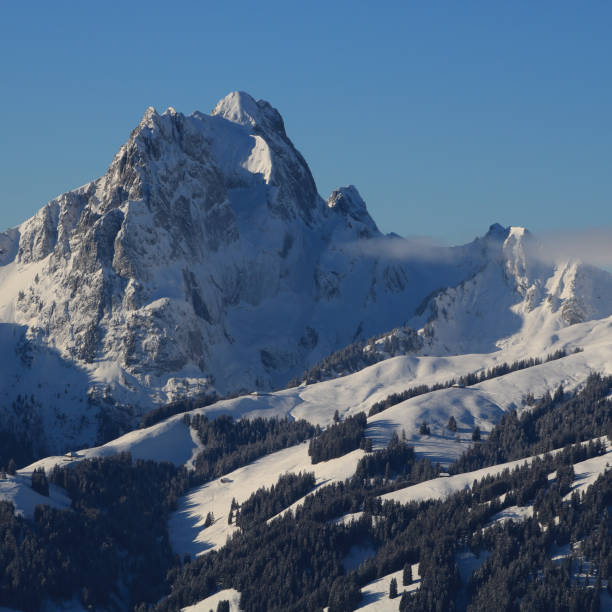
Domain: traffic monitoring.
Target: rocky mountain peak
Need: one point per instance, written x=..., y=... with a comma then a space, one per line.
x=348, y=202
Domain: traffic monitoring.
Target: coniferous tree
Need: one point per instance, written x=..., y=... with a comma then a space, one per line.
x=452, y=424
x=393, y=589
x=407, y=574
x=39, y=482
x=12, y=468
x=476, y=434
x=424, y=429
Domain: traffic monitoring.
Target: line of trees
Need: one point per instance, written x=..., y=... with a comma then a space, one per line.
x=230, y=444
x=339, y=438
x=267, y=502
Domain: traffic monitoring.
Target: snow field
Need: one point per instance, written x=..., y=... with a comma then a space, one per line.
x=375, y=595
x=17, y=489
x=210, y=603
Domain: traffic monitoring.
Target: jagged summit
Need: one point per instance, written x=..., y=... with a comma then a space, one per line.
x=348, y=201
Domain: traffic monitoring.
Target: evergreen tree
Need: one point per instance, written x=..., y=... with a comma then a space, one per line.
x=344, y=594
x=223, y=606
x=476, y=434
x=452, y=424
x=393, y=589
x=407, y=575
x=12, y=468
x=424, y=429
x=39, y=482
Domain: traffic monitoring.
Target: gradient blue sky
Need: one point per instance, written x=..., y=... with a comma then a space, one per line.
x=447, y=116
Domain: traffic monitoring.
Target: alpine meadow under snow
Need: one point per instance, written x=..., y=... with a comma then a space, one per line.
x=250, y=398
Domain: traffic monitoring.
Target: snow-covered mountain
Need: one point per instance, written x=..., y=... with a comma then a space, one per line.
x=518, y=298
x=205, y=260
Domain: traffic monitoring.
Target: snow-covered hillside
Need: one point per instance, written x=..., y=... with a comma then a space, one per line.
x=483, y=404
x=479, y=405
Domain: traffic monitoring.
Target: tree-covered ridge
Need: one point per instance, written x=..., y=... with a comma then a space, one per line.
x=466, y=380
x=553, y=422
x=112, y=547
x=361, y=354
x=431, y=533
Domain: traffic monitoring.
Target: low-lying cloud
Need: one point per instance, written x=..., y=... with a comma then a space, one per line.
x=408, y=248
x=592, y=246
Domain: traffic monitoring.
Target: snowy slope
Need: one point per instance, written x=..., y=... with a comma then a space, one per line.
x=211, y=603
x=481, y=404
x=586, y=472
x=186, y=526
x=375, y=595
x=18, y=490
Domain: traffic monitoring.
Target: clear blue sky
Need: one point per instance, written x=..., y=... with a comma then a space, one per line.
x=447, y=116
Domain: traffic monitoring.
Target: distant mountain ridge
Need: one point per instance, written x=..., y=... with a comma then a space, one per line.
x=205, y=260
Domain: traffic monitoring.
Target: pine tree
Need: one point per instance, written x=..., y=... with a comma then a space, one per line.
x=40, y=484
x=452, y=424
x=424, y=429
x=476, y=434
x=12, y=468
x=407, y=575
x=393, y=589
